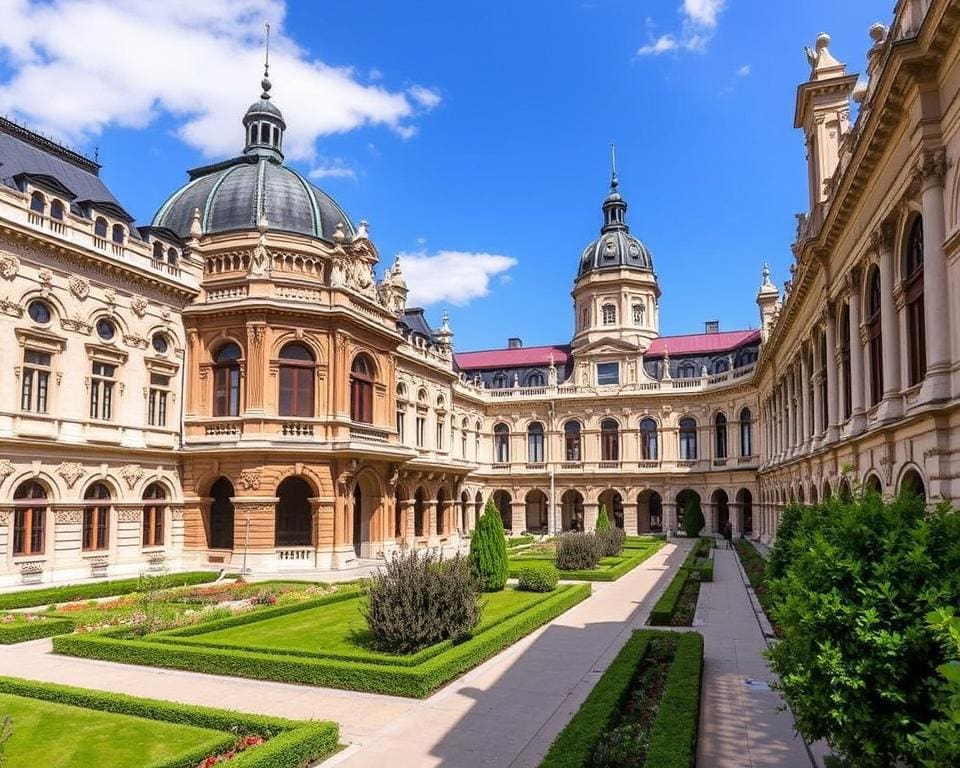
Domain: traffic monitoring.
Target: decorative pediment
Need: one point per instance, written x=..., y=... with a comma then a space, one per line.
x=607, y=347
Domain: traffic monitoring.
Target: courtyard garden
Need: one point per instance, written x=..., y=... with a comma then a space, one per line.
x=678, y=603
x=56, y=725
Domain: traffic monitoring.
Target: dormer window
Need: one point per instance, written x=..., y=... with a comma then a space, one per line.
x=56, y=210
x=118, y=233
x=157, y=251
x=37, y=203
x=100, y=227
x=171, y=255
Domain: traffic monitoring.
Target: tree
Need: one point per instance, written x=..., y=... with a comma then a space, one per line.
x=488, y=550
x=858, y=661
x=603, y=522
x=692, y=518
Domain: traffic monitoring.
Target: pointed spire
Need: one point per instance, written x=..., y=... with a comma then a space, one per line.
x=614, y=183
x=265, y=83
x=614, y=207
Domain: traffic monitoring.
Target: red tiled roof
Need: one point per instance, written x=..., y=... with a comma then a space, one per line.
x=701, y=343
x=513, y=358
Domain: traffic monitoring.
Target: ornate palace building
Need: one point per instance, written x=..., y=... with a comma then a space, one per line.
x=231, y=384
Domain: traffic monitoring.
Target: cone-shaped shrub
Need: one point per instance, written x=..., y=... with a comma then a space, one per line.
x=693, y=518
x=488, y=550
x=603, y=522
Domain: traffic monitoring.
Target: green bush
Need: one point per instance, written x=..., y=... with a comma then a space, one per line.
x=673, y=736
x=938, y=742
x=857, y=660
x=488, y=550
x=577, y=551
x=693, y=521
x=20, y=631
x=781, y=556
x=706, y=571
x=69, y=593
x=603, y=522
x=519, y=541
x=289, y=742
x=542, y=577
x=661, y=615
x=415, y=681
x=611, y=541
x=415, y=601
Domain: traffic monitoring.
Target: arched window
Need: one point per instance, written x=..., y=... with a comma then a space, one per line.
x=687, y=371
x=293, y=515
x=171, y=255
x=499, y=381
x=535, y=443
x=296, y=380
x=117, y=233
x=609, y=314
x=535, y=379
x=688, y=439
x=721, y=366
x=746, y=432
x=913, y=293
x=153, y=509
x=226, y=381
x=571, y=441
x=845, y=361
x=100, y=227
x=464, y=431
x=609, y=440
x=501, y=444
x=875, y=337
x=157, y=251
x=29, y=517
x=649, y=447
x=56, y=210
x=37, y=203
x=361, y=390
x=720, y=433
x=96, y=517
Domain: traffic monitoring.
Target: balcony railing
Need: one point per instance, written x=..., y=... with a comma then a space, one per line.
x=368, y=434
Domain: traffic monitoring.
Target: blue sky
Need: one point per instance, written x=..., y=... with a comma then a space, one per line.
x=473, y=136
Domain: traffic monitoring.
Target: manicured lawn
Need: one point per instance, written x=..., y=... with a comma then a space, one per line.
x=635, y=551
x=45, y=733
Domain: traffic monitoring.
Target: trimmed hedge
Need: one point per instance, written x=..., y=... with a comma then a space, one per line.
x=706, y=571
x=541, y=577
x=22, y=631
x=673, y=737
x=70, y=593
x=288, y=742
x=662, y=612
x=632, y=556
x=415, y=681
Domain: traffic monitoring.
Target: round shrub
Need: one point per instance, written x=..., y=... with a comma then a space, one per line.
x=417, y=600
x=538, y=578
x=488, y=550
x=578, y=551
x=611, y=541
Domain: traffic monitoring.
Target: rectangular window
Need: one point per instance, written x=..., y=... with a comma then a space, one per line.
x=421, y=431
x=440, y=431
x=157, y=403
x=608, y=373
x=153, y=525
x=401, y=418
x=35, y=382
x=28, y=531
x=101, y=391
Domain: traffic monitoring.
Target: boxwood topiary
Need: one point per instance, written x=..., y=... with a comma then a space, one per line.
x=542, y=577
x=488, y=550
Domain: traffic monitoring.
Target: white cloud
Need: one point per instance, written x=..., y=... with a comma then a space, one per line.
x=703, y=12
x=662, y=44
x=197, y=62
x=743, y=71
x=455, y=277
x=698, y=25
x=335, y=168
x=405, y=131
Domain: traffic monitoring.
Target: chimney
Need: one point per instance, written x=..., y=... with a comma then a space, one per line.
x=711, y=326
x=514, y=343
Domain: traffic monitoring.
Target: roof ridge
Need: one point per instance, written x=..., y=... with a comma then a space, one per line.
x=50, y=146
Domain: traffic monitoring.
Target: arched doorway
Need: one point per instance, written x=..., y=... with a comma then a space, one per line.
x=873, y=485
x=721, y=509
x=685, y=497
x=293, y=516
x=221, y=515
x=843, y=490
x=813, y=494
x=912, y=484
x=745, y=500
x=613, y=501
x=571, y=511
x=649, y=512
x=504, y=504
x=827, y=490
x=536, y=511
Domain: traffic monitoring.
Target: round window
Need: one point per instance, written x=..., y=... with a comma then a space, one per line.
x=106, y=330
x=160, y=344
x=39, y=312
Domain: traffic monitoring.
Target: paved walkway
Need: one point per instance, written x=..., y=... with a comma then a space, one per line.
x=740, y=725
x=505, y=712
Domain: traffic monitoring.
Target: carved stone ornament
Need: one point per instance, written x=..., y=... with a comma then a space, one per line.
x=46, y=281
x=6, y=469
x=9, y=265
x=69, y=516
x=11, y=308
x=887, y=463
x=250, y=479
x=131, y=473
x=128, y=513
x=132, y=340
x=76, y=324
x=139, y=305
x=79, y=286
x=71, y=471
x=110, y=296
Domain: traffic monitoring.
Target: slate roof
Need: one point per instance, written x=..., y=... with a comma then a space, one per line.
x=414, y=321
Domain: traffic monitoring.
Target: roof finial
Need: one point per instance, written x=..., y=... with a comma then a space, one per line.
x=613, y=166
x=265, y=83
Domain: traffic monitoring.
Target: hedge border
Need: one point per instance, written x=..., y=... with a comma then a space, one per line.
x=662, y=612
x=673, y=737
x=288, y=742
x=612, y=573
x=416, y=682
x=71, y=593
x=21, y=632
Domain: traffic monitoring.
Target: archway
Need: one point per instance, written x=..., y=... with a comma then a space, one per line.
x=827, y=490
x=367, y=501
x=721, y=509
x=912, y=484
x=504, y=504
x=613, y=501
x=571, y=511
x=649, y=512
x=685, y=497
x=813, y=494
x=536, y=503
x=221, y=515
x=843, y=490
x=292, y=515
x=745, y=500
x=873, y=485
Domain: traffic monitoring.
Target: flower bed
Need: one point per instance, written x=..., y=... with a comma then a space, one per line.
x=18, y=628
x=269, y=645
x=644, y=711
x=678, y=603
x=77, y=728
x=635, y=551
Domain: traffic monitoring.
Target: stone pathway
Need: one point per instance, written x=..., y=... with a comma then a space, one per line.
x=740, y=725
x=505, y=712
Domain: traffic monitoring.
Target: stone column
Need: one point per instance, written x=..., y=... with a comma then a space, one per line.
x=854, y=294
x=590, y=511
x=833, y=410
x=817, y=405
x=518, y=510
x=936, y=310
x=735, y=518
x=631, y=517
x=791, y=413
x=253, y=379
x=804, y=399
x=891, y=406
